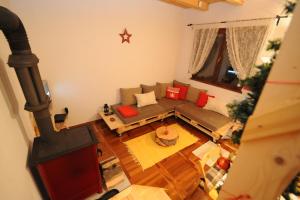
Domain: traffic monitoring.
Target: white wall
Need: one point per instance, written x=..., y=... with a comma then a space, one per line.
x=220, y=12
x=16, y=181
x=81, y=54
x=82, y=57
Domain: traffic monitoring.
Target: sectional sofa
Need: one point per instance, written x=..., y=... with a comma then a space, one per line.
x=210, y=122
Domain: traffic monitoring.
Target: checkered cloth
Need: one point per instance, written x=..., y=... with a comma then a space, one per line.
x=213, y=176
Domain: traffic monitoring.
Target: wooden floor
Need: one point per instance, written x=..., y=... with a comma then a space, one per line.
x=179, y=174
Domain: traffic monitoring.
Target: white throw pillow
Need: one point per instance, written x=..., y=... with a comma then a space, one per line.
x=217, y=106
x=145, y=99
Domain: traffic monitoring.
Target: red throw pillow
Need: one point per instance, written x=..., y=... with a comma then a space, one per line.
x=202, y=99
x=127, y=111
x=183, y=91
x=172, y=93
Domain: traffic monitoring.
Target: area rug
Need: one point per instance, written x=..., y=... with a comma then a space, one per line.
x=147, y=152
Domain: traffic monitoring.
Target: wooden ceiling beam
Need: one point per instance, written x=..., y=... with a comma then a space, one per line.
x=235, y=2
x=203, y=5
x=200, y=4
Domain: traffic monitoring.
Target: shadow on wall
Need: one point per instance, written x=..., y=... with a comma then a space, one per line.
x=11, y=100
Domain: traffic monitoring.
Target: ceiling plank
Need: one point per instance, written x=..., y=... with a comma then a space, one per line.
x=200, y=4
x=203, y=5
x=236, y=2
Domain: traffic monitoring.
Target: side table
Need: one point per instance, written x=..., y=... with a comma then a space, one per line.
x=112, y=121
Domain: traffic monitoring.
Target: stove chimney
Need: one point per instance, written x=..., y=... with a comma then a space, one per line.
x=25, y=64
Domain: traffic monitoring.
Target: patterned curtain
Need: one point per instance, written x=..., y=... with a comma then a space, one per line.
x=203, y=43
x=243, y=45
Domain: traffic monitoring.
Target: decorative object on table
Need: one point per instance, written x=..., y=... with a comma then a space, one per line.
x=125, y=36
x=112, y=119
x=105, y=109
x=165, y=137
x=223, y=163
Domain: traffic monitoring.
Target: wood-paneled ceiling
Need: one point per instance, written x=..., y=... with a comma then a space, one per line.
x=200, y=4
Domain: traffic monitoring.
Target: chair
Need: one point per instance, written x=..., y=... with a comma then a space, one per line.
x=60, y=119
x=208, y=186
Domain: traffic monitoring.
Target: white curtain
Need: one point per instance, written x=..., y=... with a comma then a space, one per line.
x=243, y=44
x=203, y=43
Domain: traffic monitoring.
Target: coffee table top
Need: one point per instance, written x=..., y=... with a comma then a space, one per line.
x=166, y=133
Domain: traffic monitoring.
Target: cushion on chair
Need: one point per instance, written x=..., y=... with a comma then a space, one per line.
x=59, y=118
x=127, y=111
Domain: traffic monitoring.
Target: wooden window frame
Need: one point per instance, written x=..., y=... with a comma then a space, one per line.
x=218, y=66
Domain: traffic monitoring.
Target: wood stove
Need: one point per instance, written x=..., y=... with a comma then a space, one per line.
x=66, y=161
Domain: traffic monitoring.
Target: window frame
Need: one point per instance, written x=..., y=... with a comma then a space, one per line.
x=218, y=66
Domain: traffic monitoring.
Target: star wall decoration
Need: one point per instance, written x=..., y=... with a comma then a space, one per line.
x=125, y=36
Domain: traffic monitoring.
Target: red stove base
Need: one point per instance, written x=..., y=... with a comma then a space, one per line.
x=73, y=176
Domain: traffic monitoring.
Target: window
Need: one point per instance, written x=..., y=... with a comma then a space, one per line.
x=217, y=69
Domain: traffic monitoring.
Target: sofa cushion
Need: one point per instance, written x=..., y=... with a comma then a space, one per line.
x=175, y=82
x=183, y=91
x=207, y=118
x=170, y=104
x=172, y=93
x=217, y=105
x=163, y=87
x=149, y=88
x=145, y=99
x=127, y=95
x=127, y=111
x=193, y=94
x=144, y=112
x=202, y=100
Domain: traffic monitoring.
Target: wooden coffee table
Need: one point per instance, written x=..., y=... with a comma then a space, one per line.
x=165, y=136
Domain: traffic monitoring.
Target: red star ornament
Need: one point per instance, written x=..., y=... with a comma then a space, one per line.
x=125, y=36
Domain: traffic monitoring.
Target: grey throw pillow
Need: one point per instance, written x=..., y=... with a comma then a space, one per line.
x=163, y=87
x=193, y=94
x=180, y=83
x=149, y=88
x=127, y=95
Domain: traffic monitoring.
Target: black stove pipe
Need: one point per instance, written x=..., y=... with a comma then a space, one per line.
x=25, y=64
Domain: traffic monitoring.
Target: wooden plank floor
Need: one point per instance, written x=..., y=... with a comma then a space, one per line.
x=179, y=174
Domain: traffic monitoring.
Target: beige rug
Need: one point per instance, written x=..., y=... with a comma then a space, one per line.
x=147, y=152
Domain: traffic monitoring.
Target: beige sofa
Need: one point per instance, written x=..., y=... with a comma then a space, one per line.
x=212, y=123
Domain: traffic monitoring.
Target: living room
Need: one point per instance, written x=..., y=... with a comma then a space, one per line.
x=85, y=63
